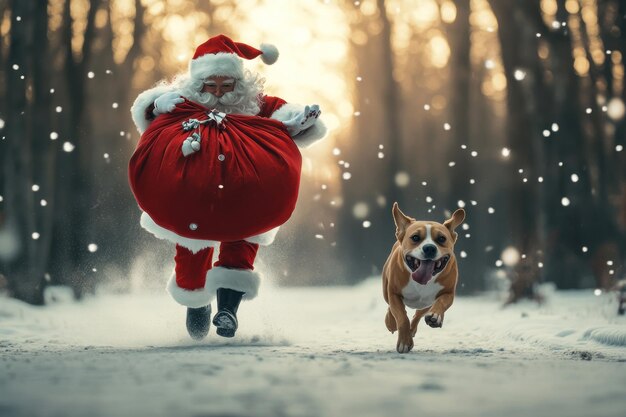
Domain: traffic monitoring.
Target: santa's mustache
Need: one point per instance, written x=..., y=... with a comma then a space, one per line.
x=228, y=99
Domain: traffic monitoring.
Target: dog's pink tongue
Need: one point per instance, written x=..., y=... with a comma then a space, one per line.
x=424, y=272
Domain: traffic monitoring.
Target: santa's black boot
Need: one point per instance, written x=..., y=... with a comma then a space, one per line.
x=198, y=322
x=226, y=318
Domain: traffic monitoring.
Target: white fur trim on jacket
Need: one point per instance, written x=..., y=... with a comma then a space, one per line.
x=305, y=138
x=189, y=298
x=142, y=102
x=194, y=245
x=264, y=239
x=243, y=280
x=220, y=64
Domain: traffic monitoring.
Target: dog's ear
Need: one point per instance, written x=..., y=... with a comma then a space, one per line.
x=453, y=222
x=402, y=221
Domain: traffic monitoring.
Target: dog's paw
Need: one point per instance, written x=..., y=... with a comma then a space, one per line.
x=404, y=345
x=390, y=322
x=433, y=319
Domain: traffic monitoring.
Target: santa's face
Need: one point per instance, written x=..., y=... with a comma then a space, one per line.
x=218, y=85
x=227, y=94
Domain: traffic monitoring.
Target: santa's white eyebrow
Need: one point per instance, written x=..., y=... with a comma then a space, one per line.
x=213, y=82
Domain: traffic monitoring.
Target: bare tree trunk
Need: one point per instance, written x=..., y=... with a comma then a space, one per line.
x=524, y=138
x=74, y=180
x=392, y=110
x=458, y=187
x=26, y=281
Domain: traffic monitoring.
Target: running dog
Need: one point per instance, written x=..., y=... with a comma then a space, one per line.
x=421, y=273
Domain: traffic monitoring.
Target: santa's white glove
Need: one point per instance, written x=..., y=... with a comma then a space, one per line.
x=303, y=120
x=166, y=103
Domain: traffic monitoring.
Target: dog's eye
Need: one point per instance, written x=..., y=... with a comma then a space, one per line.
x=415, y=238
x=441, y=239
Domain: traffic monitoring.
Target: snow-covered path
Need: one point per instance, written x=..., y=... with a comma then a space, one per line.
x=313, y=352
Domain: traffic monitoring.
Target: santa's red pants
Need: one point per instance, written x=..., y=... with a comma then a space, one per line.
x=191, y=268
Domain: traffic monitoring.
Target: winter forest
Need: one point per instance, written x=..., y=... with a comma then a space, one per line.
x=513, y=110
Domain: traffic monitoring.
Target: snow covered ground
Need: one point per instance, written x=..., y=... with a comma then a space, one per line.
x=313, y=352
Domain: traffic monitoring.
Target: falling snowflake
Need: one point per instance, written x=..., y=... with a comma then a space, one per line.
x=506, y=152
x=402, y=179
x=367, y=224
x=616, y=109
x=574, y=178
x=90, y=74
x=35, y=187
x=54, y=135
x=519, y=74
x=68, y=147
x=346, y=176
x=35, y=236
x=360, y=210
x=92, y=247
x=510, y=256
x=565, y=202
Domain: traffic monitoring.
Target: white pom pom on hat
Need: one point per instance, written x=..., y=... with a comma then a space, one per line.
x=221, y=56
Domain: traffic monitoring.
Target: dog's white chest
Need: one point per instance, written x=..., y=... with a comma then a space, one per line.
x=420, y=296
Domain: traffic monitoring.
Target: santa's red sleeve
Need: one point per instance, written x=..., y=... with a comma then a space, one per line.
x=279, y=109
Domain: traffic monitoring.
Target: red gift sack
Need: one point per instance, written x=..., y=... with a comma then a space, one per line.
x=241, y=182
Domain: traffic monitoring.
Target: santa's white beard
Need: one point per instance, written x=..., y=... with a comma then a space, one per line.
x=230, y=103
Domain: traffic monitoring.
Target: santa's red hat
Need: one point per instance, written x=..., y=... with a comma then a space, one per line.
x=221, y=56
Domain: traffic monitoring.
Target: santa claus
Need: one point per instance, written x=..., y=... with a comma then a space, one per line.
x=218, y=164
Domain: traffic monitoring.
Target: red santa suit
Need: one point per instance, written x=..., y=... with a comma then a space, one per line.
x=234, y=189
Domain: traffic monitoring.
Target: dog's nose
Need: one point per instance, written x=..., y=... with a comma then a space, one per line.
x=429, y=251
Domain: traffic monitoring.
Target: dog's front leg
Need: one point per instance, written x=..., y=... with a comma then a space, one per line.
x=405, y=341
x=416, y=319
x=434, y=317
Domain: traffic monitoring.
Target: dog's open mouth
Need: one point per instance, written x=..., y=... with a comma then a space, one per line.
x=424, y=269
